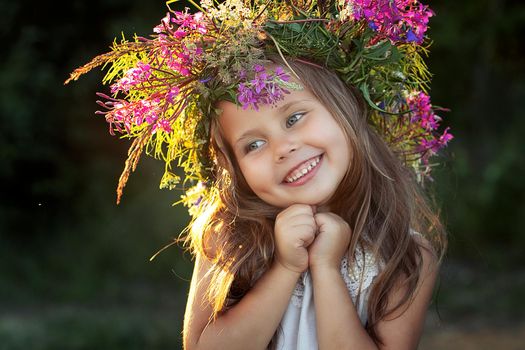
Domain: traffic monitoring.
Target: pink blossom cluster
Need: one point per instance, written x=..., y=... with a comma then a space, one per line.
x=422, y=115
x=178, y=56
x=422, y=112
x=186, y=24
x=171, y=50
x=265, y=88
x=180, y=59
x=435, y=144
x=132, y=77
x=398, y=20
x=124, y=115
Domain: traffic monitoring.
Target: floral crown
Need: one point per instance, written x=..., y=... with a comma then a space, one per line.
x=163, y=87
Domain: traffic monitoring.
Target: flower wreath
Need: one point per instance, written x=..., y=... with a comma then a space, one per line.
x=163, y=87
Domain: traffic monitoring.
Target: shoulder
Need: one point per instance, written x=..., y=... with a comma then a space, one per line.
x=429, y=257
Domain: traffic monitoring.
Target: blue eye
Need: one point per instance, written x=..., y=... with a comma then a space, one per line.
x=294, y=118
x=252, y=146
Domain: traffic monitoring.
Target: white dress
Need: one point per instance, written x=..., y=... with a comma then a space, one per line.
x=297, y=329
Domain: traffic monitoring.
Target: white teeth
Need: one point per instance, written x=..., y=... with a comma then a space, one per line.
x=301, y=172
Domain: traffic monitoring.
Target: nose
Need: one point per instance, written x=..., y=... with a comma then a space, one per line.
x=284, y=148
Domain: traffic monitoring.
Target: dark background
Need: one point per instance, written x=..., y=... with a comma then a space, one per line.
x=74, y=267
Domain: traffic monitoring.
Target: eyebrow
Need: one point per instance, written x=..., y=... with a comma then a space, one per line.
x=243, y=136
x=286, y=106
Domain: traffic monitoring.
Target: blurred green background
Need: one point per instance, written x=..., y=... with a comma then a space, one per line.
x=75, y=270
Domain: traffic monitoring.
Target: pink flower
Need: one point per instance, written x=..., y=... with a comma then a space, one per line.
x=164, y=125
x=421, y=111
x=434, y=144
x=398, y=20
x=132, y=77
x=195, y=22
x=164, y=25
x=170, y=96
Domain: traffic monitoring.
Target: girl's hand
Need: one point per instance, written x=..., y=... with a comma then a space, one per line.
x=295, y=230
x=331, y=242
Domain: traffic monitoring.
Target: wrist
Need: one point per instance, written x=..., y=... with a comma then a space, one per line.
x=278, y=266
x=324, y=267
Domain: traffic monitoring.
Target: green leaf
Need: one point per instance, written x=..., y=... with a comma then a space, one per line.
x=380, y=51
x=296, y=27
x=366, y=94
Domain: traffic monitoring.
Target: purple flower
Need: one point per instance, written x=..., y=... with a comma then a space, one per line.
x=258, y=68
x=281, y=74
x=246, y=97
x=265, y=88
x=411, y=37
x=259, y=83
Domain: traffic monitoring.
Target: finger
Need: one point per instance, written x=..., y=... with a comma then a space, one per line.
x=303, y=217
x=306, y=227
x=321, y=219
x=295, y=209
x=306, y=238
x=307, y=242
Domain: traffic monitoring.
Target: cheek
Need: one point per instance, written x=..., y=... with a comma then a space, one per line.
x=341, y=145
x=258, y=176
x=250, y=174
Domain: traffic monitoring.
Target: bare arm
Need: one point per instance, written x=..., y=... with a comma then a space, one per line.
x=403, y=329
x=338, y=324
x=251, y=323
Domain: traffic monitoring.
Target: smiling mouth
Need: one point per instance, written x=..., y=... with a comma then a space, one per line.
x=302, y=169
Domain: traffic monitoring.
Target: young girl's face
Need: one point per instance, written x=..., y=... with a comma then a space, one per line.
x=293, y=152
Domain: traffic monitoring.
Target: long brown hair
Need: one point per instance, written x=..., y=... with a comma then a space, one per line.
x=378, y=197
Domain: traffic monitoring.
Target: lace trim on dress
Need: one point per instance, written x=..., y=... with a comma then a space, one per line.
x=298, y=292
x=358, y=279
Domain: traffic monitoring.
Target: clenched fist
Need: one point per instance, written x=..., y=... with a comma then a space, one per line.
x=295, y=229
x=331, y=243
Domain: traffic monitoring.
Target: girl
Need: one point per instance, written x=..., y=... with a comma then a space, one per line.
x=309, y=183
x=304, y=128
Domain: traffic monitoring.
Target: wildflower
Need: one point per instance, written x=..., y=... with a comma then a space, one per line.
x=421, y=111
x=194, y=22
x=164, y=24
x=163, y=124
x=264, y=88
x=281, y=74
x=192, y=59
x=429, y=147
x=132, y=77
x=398, y=20
x=170, y=96
x=246, y=97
